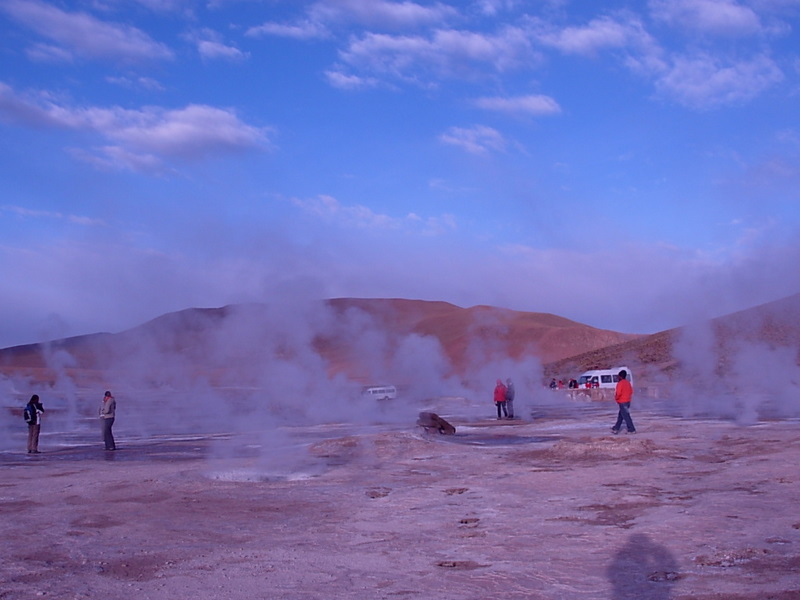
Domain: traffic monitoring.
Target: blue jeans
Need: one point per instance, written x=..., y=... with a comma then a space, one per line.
x=624, y=415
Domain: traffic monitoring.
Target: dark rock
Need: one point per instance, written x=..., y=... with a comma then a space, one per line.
x=431, y=421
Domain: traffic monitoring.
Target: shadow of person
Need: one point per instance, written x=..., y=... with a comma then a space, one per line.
x=642, y=570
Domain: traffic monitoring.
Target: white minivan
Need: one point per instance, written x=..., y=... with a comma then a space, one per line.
x=380, y=392
x=603, y=378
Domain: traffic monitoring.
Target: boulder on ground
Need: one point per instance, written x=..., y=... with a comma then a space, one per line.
x=431, y=421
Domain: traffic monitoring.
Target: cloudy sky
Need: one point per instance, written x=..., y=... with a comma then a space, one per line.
x=632, y=165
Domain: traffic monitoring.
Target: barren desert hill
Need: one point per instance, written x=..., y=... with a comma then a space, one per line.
x=237, y=337
x=768, y=327
x=229, y=337
x=492, y=329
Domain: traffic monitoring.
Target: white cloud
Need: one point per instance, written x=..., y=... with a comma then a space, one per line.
x=380, y=13
x=494, y=7
x=118, y=158
x=167, y=5
x=360, y=216
x=345, y=81
x=435, y=225
x=387, y=53
x=304, y=30
x=211, y=46
x=599, y=34
x=711, y=16
x=505, y=50
x=532, y=104
x=705, y=81
x=445, y=53
x=323, y=15
x=27, y=213
x=212, y=49
x=195, y=131
x=15, y=108
x=85, y=35
x=137, y=83
x=478, y=139
x=48, y=53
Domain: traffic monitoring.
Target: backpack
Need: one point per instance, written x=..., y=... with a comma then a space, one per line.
x=30, y=415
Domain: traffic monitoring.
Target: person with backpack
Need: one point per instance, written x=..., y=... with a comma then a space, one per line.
x=33, y=417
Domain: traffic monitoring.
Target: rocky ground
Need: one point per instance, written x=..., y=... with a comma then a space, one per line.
x=553, y=508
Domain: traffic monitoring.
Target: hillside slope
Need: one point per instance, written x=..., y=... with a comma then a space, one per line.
x=364, y=339
x=721, y=348
x=349, y=334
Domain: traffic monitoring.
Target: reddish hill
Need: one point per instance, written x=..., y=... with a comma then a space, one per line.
x=350, y=336
x=496, y=331
x=236, y=338
x=721, y=344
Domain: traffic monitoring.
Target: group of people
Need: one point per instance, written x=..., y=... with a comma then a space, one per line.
x=504, y=398
x=623, y=394
x=33, y=417
x=572, y=384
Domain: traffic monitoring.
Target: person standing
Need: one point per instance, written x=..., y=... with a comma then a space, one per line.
x=623, y=394
x=510, y=397
x=500, y=398
x=108, y=410
x=33, y=417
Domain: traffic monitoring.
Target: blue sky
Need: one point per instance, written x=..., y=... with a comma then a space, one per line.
x=632, y=165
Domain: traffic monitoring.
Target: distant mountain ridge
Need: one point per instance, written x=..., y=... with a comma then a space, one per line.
x=769, y=327
x=227, y=343
x=514, y=333
x=191, y=333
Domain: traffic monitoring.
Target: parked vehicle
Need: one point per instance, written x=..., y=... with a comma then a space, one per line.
x=380, y=392
x=602, y=378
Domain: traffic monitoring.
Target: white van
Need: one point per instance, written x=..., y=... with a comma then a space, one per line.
x=380, y=392
x=603, y=378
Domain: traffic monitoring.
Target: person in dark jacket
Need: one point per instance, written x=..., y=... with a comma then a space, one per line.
x=510, y=398
x=33, y=417
x=108, y=411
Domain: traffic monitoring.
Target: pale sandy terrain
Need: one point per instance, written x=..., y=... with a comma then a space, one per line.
x=551, y=508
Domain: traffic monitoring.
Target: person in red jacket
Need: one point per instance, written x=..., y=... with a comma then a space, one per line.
x=500, y=398
x=623, y=395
